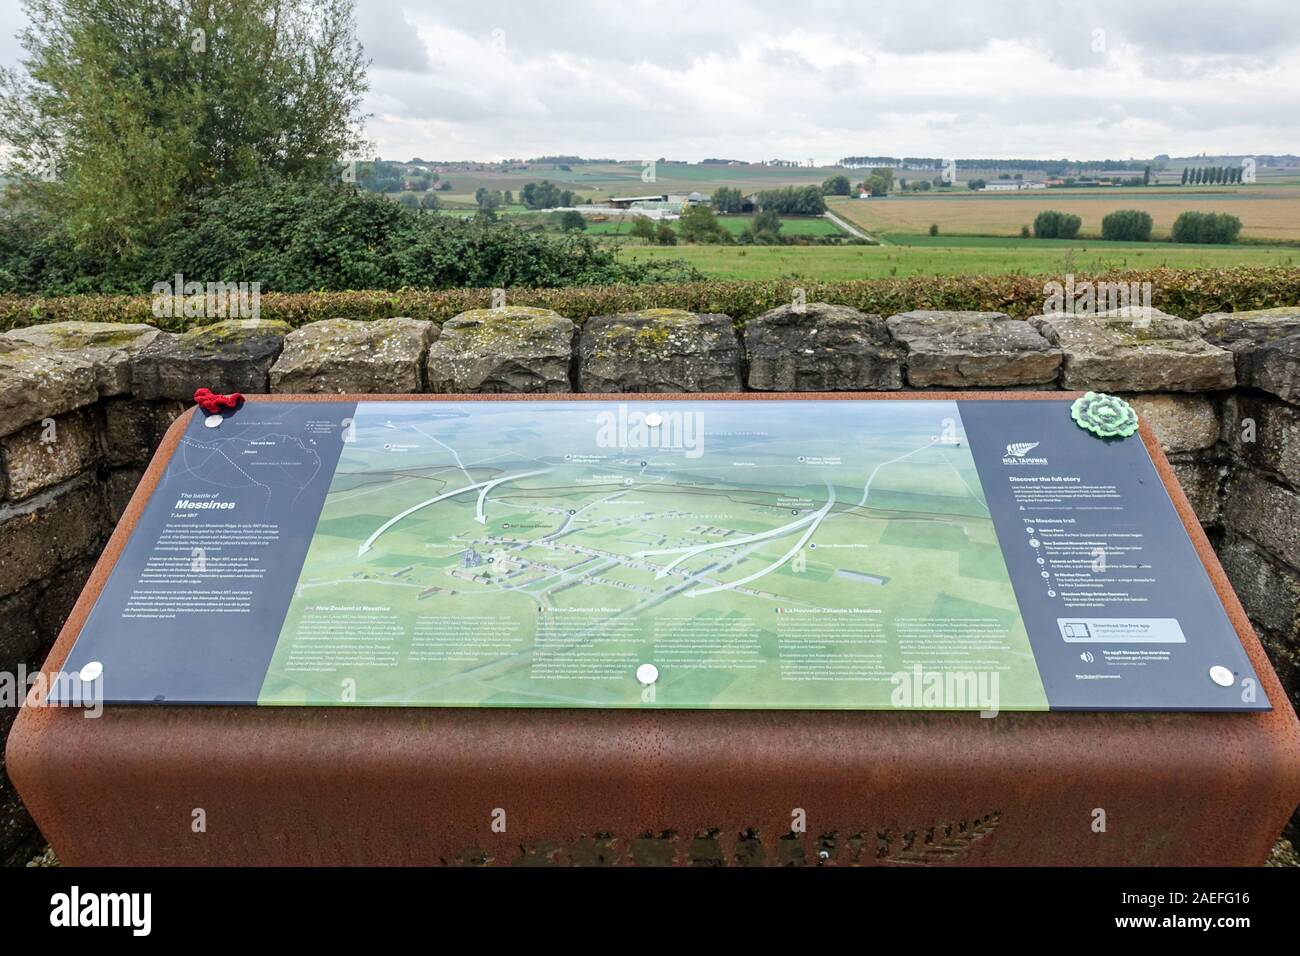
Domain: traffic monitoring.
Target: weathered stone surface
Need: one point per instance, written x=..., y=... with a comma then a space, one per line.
x=1266, y=433
x=1200, y=480
x=1266, y=513
x=515, y=349
x=118, y=489
x=1265, y=345
x=231, y=356
x=1129, y=351
x=19, y=838
x=41, y=455
x=29, y=622
x=1269, y=590
x=1285, y=658
x=347, y=355
x=1181, y=422
x=50, y=531
x=659, y=350
x=109, y=346
x=133, y=429
x=1283, y=314
x=36, y=384
x=973, y=349
x=822, y=348
x=20, y=634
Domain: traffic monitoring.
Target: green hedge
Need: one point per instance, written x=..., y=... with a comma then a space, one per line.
x=1051, y=224
x=1212, y=227
x=1188, y=293
x=1126, y=225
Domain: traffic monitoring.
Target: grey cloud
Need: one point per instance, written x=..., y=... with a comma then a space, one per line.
x=390, y=39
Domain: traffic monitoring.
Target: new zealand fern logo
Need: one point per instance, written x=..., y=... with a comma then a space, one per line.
x=1017, y=453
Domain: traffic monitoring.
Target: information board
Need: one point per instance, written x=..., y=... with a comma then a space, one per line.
x=786, y=554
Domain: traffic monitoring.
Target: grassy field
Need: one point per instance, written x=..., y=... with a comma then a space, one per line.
x=942, y=255
x=979, y=232
x=1269, y=213
x=598, y=181
x=804, y=226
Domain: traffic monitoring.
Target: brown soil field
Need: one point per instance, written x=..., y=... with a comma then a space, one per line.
x=1265, y=214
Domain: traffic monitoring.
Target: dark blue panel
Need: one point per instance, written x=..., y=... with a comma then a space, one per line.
x=184, y=627
x=1120, y=612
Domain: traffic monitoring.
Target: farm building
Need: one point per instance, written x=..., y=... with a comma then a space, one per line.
x=626, y=202
x=1010, y=185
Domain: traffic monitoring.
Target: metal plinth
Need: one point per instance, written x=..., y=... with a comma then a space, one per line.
x=248, y=785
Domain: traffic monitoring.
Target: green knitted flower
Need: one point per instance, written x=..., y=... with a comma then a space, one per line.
x=1106, y=416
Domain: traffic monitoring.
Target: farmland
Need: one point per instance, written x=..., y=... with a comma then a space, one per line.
x=979, y=232
x=1267, y=213
x=790, y=226
x=924, y=255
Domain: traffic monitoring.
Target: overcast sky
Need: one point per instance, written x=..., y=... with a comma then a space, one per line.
x=800, y=79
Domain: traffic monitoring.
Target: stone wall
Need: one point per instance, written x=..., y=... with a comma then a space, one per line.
x=82, y=407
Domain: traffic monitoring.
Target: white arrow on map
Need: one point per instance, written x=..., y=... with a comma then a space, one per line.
x=816, y=519
x=370, y=541
x=692, y=551
x=482, y=495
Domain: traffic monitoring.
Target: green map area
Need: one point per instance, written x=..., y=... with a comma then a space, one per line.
x=755, y=555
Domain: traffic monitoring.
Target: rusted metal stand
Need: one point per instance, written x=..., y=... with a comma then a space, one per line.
x=269, y=785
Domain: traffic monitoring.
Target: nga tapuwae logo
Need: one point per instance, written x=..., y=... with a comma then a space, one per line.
x=1018, y=454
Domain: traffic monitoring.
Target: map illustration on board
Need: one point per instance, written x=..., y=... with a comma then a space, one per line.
x=982, y=555
x=508, y=553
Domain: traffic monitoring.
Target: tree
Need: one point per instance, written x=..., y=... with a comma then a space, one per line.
x=764, y=227
x=543, y=195
x=571, y=221
x=1051, y=224
x=1184, y=175
x=665, y=236
x=976, y=184
x=1132, y=225
x=430, y=202
x=793, y=200
x=699, y=224
x=727, y=200
x=1207, y=227
x=643, y=228
x=110, y=128
x=836, y=186
x=874, y=186
x=295, y=236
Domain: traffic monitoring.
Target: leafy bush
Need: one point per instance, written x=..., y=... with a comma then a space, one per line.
x=1210, y=227
x=1188, y=293
x=793, y=201
x=699, y=224
x=1051, y=224
x=1132, y=225
x=836, y=186
x=299, y=236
